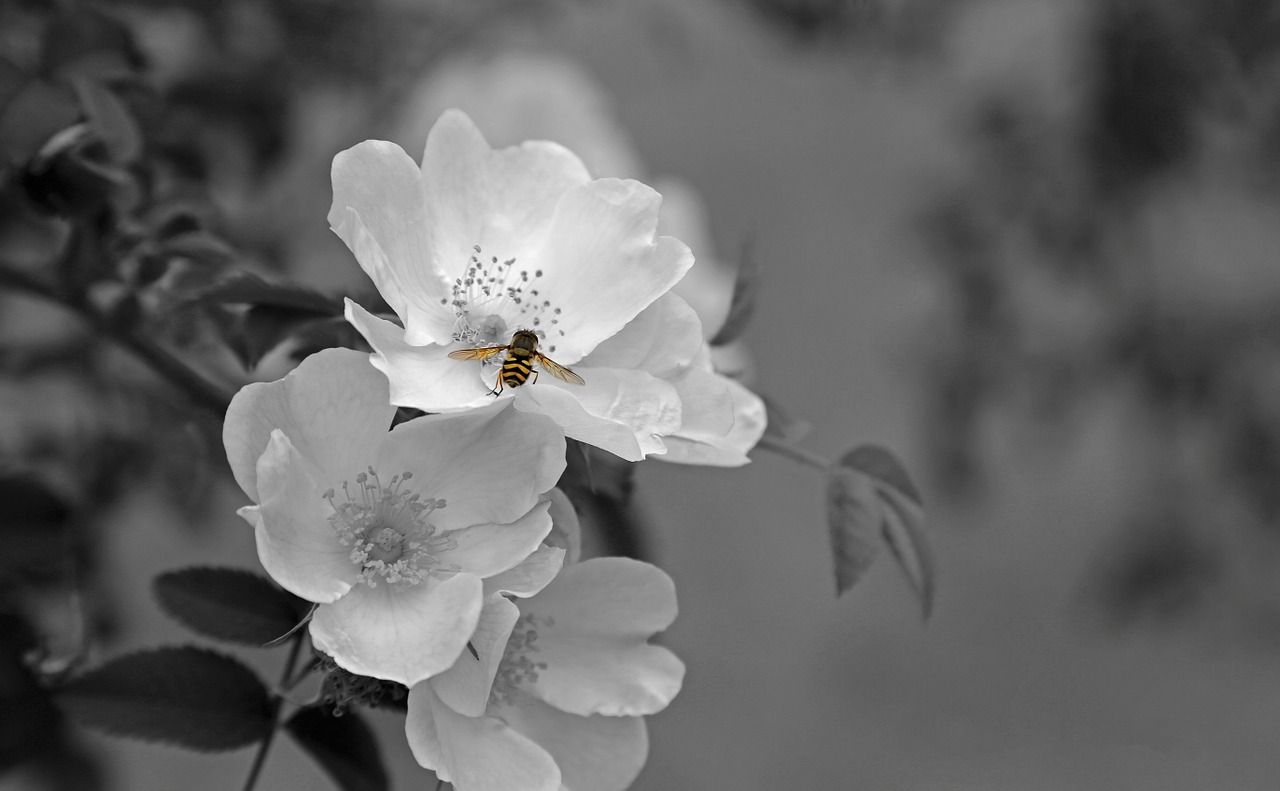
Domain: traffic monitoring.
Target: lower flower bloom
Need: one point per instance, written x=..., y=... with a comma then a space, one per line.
x=555, y=695
x=392, y=533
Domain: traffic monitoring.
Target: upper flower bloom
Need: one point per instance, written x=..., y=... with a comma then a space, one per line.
x=555, y=697
x=476, y=244
x=393, y=532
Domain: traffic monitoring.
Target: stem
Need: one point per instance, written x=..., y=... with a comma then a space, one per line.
x=260, y=758
x=200, y=390
x=795, y=454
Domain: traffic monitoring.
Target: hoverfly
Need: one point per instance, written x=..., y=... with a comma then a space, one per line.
x=522, y=353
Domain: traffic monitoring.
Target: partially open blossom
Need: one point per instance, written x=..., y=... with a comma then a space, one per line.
x=556, y=697
x=392, y=533
x=477, y=243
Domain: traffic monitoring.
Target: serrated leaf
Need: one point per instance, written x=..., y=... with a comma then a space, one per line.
x=904, y=530
x=184, y=696
x=880, y=463
x=854, y=518
x=344, y=746
x=743, y=303
x=229, y=604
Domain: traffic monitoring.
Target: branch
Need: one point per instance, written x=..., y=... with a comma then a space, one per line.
x=202, y=391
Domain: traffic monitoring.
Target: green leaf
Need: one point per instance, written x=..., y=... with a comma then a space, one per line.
x=229, y=604
x=854, y=518
x=343, y=745
x=881, y=464
x=743, y=304
x=184, y=696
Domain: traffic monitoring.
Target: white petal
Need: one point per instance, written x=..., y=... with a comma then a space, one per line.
x=465, y=686
x=488, y=549
x=296, y=544
x=334, y=407
x=597, y=616
x=608, y=597
x=566, y=531
x=475, y=753
x=532, y=575
x=706, y=403
x=400, y=632
x=501, y=200
x=419, y=376
x=594, y=753
x=731, y=449
x=602, y=264
x=622, y=411
x=665, y=335
x=613, y=676
x=490, y=465
x=708, y=287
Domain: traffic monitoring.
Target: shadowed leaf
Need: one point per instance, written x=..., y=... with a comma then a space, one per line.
x=881, y=464
x=229, y=604
x=185, y=696
x=854, y=518
x=904, y=530
x=344, y=746
x=743, y=304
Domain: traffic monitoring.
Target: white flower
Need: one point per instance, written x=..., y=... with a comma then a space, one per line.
x=556, y=698
x=521, y=95
x=476, y=244
x=391, y=532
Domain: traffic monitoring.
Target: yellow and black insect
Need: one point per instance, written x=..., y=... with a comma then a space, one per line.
x=522, y=353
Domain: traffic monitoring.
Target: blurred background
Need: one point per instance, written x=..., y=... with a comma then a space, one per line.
x=1029, y=245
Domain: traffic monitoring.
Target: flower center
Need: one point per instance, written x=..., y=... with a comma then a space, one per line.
x=387, y=528
x=493, y=297
x=518, y=669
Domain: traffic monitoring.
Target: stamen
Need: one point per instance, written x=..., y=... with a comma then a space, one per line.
x=492, y=297
x=517, y=670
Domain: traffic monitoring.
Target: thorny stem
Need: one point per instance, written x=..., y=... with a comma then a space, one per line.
x=200, y=390
x=277, y=703
x=801, y=455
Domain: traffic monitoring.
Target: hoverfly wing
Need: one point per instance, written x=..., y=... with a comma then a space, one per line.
x=482, y=353
x=557, y=370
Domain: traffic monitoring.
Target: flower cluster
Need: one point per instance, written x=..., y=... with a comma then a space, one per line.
x=532, y=303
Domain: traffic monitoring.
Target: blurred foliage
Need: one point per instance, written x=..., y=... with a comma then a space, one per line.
x=1062, y=287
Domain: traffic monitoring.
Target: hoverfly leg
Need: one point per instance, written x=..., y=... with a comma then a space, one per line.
x=497, y=386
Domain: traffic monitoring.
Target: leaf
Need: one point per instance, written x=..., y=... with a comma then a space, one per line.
x=854, y=518
x=743, y=304
x=782, y=424
x=344, y=746
x=904, y=530
x=246, y=288
x=881, y=464
x=184, y=696
x=904, y=517
x=110, y=120
x=229, y=604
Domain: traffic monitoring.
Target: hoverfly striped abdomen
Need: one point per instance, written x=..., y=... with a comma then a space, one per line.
x=517, y=367
x=522, y=353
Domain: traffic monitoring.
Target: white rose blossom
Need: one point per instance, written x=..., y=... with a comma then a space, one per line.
x=391, y=532
x=556, y=697
x=477, y=243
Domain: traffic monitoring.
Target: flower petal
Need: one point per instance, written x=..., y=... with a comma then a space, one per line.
x=400, y=632
x=420, y=376
x=602, y=262
x=334, y=407
x=731, y=449
x=491, y=465
x=706, y=403
x=623, y=412
x=708, y=287
x=296, y=544
x=566, y=531
x=530, y=576
x=465, y=686
x=593, y=753
x=501, y=200
x=488, y=549
x=475, y=753
x=665, y=335
x=377, y=189
x=597, y=616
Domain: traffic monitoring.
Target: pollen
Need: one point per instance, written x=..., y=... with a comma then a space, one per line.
x=388, y=528
x=494, y=295
x=519, y=667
